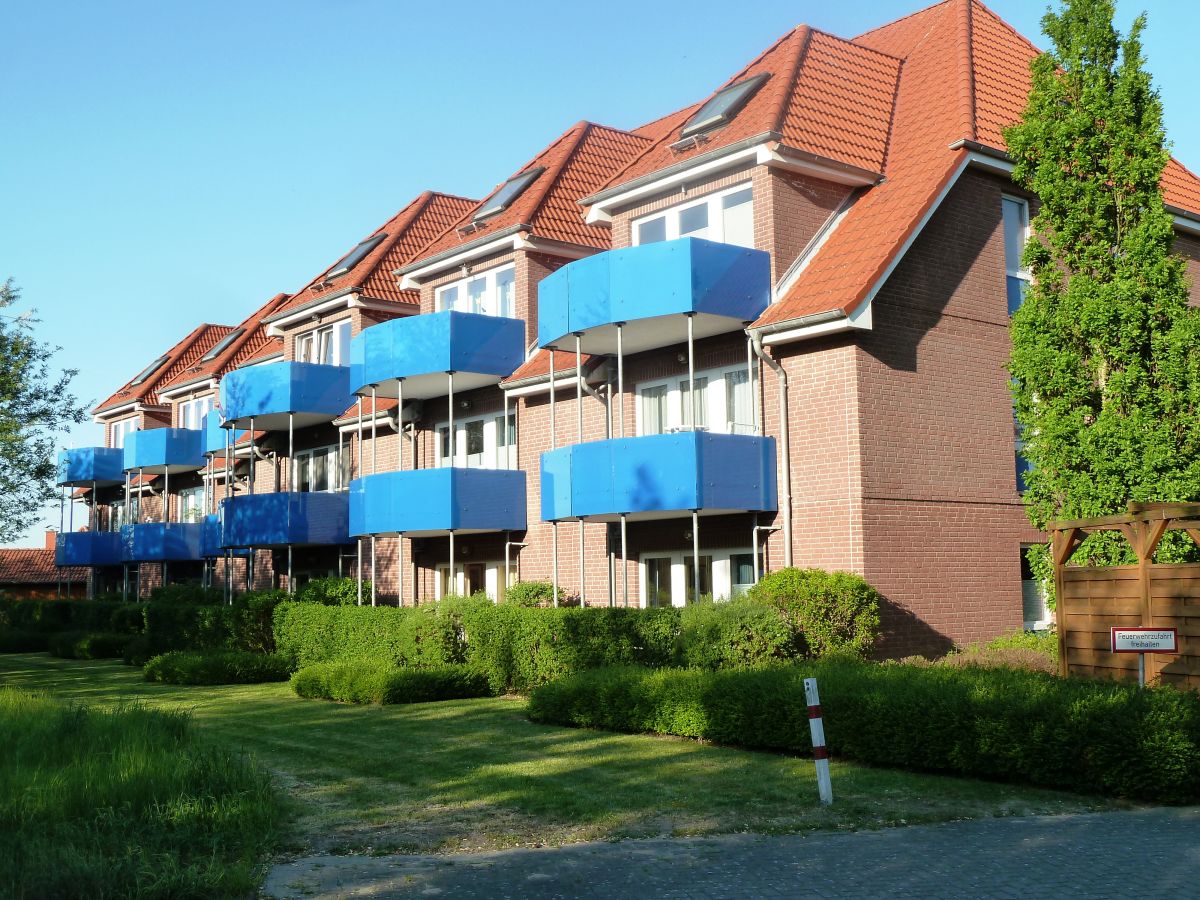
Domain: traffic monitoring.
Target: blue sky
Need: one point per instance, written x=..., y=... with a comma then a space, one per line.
x=169, y=163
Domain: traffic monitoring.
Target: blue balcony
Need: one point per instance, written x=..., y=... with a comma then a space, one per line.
x=268, y=393
x=655, y=286
x=210, y=539
x=88, y=548
x=659, y=475
x=161, y=541
x=424, y=502
x=159, y=450
x=279, y=520
x=213, y=440
x=85, y=465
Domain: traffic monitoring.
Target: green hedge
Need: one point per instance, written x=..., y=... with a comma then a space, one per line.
x=310, y=633
x=70, y=615
x=333, y=591
x=369, y=682
x=246, y=625
x=1005, y=724
x=87, y=644
x=22, y=640
x=187, y=593
x=829, y=612
x=217, y=667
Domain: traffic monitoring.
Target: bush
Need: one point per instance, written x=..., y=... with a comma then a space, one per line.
x=531, y=593
x=22, y=640
x=246, y=625
x=187, y=593
x=333, y=591
x=138, y=651
x=309, y=633
x=1026, y=727
x=87, y=644
x=71, y=615
x=735, y=633
x=370, y=682
x=835, y=612
x=217, y=667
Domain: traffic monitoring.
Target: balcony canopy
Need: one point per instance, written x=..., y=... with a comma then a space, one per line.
x=87, y=465
x=426, y=502
x=88, y=548
x=480, y=350
x=164, y=450
x=161, y=541
x=653, y=288
x=659, y=476
x=280, y=520
x=267, y=393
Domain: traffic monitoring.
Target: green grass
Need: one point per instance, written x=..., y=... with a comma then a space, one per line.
x=478, y=774
x=124, y=801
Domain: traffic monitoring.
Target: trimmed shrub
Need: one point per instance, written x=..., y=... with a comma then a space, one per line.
x=1027, y=727
x=370, y=682
x=187, y=593
x=22, y=640
x=735, y=633
x=138, y=651
x=71, y=615
x=87, y=644
x=332, y=591
x=246, y=625
x=531, y=593
x=309, y=633
x=834, y=612
x=217, y=667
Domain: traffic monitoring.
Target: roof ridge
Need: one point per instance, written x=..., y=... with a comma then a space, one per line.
x=785, y=94
x=966, y=58
x=737, y=76
x=230, y=353
x=1000, y=19
x=911, y=15
x=852, y=43
x=423, y=196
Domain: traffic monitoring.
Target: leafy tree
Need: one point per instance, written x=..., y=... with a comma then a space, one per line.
x=1106, y=352
x=35, y=406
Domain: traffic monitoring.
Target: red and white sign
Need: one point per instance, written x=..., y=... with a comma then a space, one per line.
x=1145, y=640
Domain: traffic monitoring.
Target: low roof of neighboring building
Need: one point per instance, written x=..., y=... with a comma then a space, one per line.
x=34, y=566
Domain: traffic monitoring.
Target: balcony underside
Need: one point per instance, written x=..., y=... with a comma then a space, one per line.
x=431, y=502
x=285, y=519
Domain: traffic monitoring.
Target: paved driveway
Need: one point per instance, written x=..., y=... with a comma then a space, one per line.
x=1142, y=853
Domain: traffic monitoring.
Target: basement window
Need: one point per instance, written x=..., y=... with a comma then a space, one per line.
x=355, y=256
x=724, y=105
x=503, y=198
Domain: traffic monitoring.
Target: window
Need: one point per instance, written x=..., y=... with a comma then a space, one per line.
x=653, y=409
x=116, y=513
x=506, y=442
x=1016, y=235
x=355, y=256
x=503, y=198
x=328, y=345
x=658, y=581
x=122, y=430
x=699, y=408
x=191, y=504
x=668, y=578
x=480, y=443
x=724, y=105
x=739, y=402
x=192, y=412
x=741, y=573
x=724, y=404
x=1035, y=610
x=320, y=469
x=223, y=344
x=489, y=293
x=726, y=216
x=473, y=432
x=148, y=371
x=689, y=578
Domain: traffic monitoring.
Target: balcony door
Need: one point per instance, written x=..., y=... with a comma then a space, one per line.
x=668, y=577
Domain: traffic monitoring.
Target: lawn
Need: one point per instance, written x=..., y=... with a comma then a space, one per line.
x=470, y=774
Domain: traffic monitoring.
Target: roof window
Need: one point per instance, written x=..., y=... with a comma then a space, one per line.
x=148, y=371
x=504, y=197
x=726, y=104
x=355, y=256
x=223, y=344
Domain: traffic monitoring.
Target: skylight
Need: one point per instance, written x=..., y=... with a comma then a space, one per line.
x=727, y=103
x=148, y=371
x=504, y=197
x=355, y=256
x=223, y=344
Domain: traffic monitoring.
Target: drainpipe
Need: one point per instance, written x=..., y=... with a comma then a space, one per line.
x=784, y=445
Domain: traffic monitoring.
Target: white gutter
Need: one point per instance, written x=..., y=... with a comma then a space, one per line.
x=200, y=384
x=540, y=385
x=412, y=278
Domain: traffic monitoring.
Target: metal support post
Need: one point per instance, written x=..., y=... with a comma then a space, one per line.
x=624, y=564
x=696, y=556
x=373, y=578
x=694, y=420
x=358, y=570
x=621, y=380
x=374, y=447
x=453, y=579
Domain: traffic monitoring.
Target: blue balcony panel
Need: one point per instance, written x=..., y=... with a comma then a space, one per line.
x=661, y=475
x=161, y=541
x=210, y=539
x=88, y=548
x=480, y=350
x=426, y=502
x=213, y=440
x=289, y=518
x=158, y=450
x=268, y=393
x=85, y=465
x=653, y=288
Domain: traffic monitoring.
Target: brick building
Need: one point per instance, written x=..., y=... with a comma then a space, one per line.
x=768, y=329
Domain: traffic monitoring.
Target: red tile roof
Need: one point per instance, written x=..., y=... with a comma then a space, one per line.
x=408, y=232
x=34, y=566
x=386, y=404
x=579, y=162
x=180, y=357
x=538, y=365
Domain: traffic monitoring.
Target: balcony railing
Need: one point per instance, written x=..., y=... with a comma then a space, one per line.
x=85, y=465
x=159, y=450
x=88, y=548
x=425, y=502
x=659, y=475
x=652, y=288
x=288, y=518
x=161, y=541
x=479, y=349
x=307, y=392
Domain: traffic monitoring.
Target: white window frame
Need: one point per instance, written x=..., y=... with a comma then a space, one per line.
x=493, y=576
x=722, y=572
x=1024, y=274
x=494, y=455
x=121, y=429
x=490, y=304
x=191, y=500
x=333, y=462
x=199, y=407
x=716, y=392
x=333, y=336
x=716, y=220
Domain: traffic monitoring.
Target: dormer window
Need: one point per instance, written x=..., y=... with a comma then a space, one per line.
x=355, y=256
x=121, y=430
x=726, y=216
x=724, y=106
x=490, y=293
x=328, y=345
x=503, y=198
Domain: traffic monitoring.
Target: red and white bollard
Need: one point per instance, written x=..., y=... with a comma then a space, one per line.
x=817, y=729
